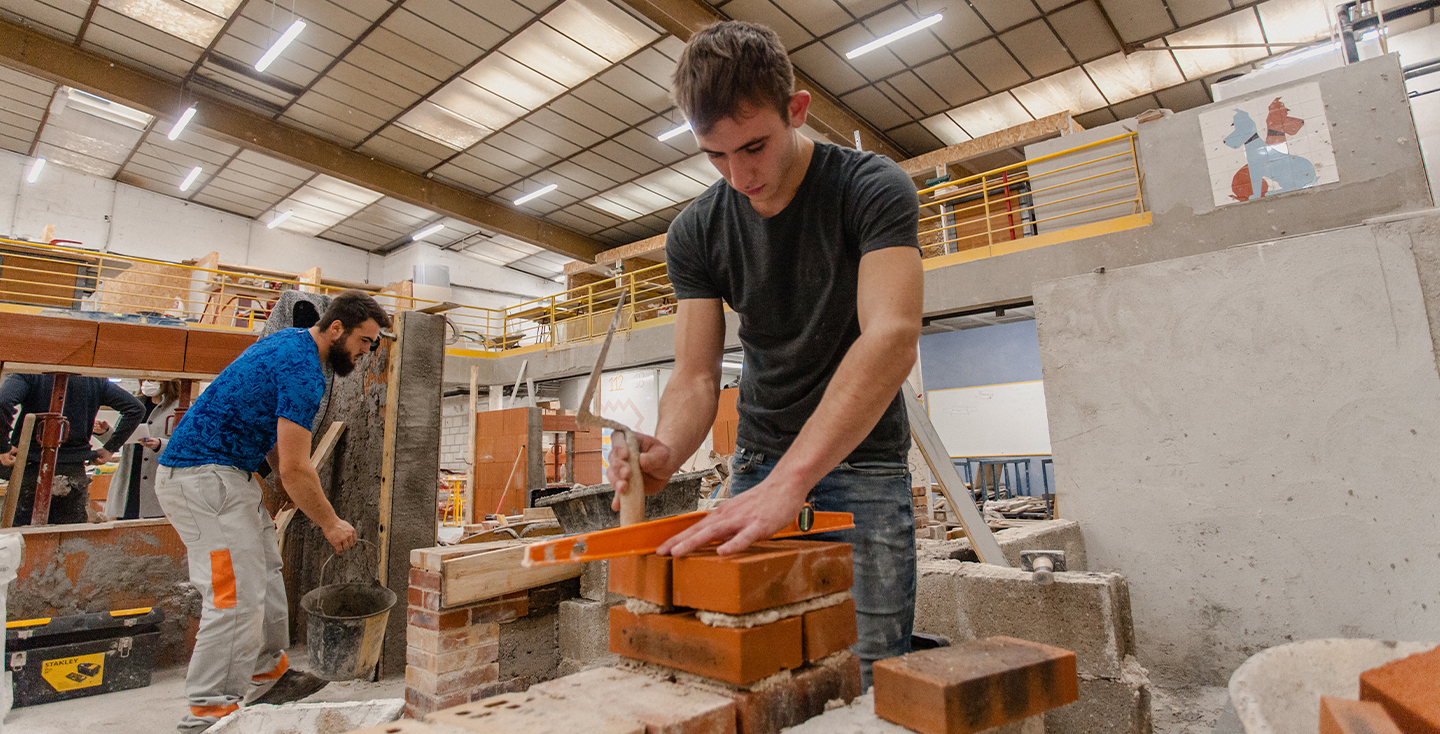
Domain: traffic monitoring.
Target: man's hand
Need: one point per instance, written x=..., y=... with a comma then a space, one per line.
x=8, y=458
x=341, y=535
x=100, y=427
x=739, y=521
x=101, y=457
x=150, y=443
x=655, y=460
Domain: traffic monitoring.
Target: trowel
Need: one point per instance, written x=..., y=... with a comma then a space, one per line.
x=632, y=500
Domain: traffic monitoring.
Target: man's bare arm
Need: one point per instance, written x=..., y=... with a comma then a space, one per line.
x=687, y=409
x=298, y=479
x=890, y=303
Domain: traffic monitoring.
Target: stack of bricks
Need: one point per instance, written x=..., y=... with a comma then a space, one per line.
x=1400, y=696
x=920, y=498
x=769, y=628
x=452, y=655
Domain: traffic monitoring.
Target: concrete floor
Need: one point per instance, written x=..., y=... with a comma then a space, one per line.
x=1198, y=710
x=157, y=708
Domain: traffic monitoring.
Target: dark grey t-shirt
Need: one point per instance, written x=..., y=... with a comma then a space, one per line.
x=792, y=278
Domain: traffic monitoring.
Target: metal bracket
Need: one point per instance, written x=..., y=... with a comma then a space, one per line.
x=17, y=660
x=124, y=647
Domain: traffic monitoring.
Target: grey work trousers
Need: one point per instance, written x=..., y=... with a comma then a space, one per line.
x=235, y=565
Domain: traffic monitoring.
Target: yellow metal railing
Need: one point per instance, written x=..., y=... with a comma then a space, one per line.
x=1010, y=203
x=1014, y=201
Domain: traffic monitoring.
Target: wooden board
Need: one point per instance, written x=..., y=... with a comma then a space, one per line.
x=212, y=351
x=47, y=340
x=39, y=282
x=930, y=445
x=487, y=575
x=132, y=346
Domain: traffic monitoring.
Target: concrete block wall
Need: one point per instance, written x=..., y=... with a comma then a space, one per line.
x=454, y=433
x=1086, y=613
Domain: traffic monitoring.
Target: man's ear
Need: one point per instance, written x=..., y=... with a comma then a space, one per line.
x=799, y=108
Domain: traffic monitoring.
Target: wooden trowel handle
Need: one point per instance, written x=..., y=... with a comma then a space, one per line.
x=632, y=500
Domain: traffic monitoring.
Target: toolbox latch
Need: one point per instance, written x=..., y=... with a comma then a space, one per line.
x=124, y=646
x=17, y=660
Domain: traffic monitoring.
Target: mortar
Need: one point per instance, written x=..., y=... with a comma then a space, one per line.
x=587, y=509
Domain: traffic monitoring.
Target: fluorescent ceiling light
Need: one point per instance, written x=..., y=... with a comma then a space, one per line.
x=35, y=169
x=919, y=25
x=190, y=179
x=282, y=216
x=181, y=123
x=422, y=234
x=662, y=137
x=535, y=194
x=280, y=44
x=106, y=110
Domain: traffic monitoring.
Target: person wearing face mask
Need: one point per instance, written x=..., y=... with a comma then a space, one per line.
x=132, y=488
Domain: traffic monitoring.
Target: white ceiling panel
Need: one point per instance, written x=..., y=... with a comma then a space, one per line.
x=59, y=17
x=175, y=17
x=1069, y=91
x=1237, y=28
x=1295, y=21
x=1122, y=77
x=601, y=27
x=944, y=128
x=990, y=115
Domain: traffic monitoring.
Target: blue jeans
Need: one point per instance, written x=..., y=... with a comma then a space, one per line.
x=882, y=543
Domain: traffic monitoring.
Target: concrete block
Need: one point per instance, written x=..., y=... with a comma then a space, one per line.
x=682, y=641
x=1409, y=689
x=859, y=718
x=1088, y=613
x=595, y=581
x=1044, y=535
x=1107, y=706
x=767, y=574
x=525, y=712
x=297, y=717
x=974, y=685
x=529, y=648
x=583, y=634
x=1342, y=716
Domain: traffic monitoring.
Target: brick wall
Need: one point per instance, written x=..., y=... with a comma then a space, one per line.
x=454, y=432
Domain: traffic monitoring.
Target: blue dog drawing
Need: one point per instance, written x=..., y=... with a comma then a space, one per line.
x=1264, y=161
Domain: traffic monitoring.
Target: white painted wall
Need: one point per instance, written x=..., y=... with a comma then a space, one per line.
x=126, y=220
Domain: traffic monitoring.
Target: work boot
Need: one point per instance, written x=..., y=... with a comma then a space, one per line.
x=292, y=686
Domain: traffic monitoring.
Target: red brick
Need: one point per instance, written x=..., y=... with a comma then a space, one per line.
x=531, y=714
x=645, y=577
x=767, y=574
x=829, y=630
x=441, y=685
x=663, y=707
x=501, y=610
x=427, y=600
x=450, y=662
x=1342, y=716
x=440, y=643
x=788, y=702
x=681, y=641
x=418, y=704
x=974, y=685
x=1409, y=689
x=426, y=580
x=424, y=619
x=403, y=726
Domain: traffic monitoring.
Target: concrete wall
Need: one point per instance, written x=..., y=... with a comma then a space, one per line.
x=1376, y=153
x=1249, y=436
x=455, y=432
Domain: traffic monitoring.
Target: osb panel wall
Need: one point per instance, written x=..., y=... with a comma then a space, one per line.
x=150, y=287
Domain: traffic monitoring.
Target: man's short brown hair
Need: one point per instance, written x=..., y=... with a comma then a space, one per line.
x=727, y=66
x=353, y=308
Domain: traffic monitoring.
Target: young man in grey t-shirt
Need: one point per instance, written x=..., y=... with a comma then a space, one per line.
x=815, y=247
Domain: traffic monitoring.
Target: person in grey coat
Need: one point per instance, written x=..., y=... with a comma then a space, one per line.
x=132, y=488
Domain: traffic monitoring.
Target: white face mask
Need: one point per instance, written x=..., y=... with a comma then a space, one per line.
x=149, y=389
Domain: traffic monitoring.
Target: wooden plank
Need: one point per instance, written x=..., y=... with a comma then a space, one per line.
x=210, y=352
x=327, y=444
x=469, y=497
x=311, y=277
x=139, y=347
x=44, y=281
x=1020, y=135
x=17, y=474
x=387, y=456
x=48, y=340
x=981, y=539
x=471, y=578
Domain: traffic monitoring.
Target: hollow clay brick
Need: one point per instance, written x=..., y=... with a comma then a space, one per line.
x=527, y=713
x=829, y=630
x=683, y=642
x=974, y=685
x=663, y=707
x=645, y=577
x=1409, y=689
x=767, y=574
x=1343, y=716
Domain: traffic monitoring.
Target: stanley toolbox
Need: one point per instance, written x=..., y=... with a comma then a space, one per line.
x=55, y=659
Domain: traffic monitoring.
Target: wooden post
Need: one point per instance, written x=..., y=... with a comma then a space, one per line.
x=387, y=457
x=469, y=497
x=310, y=276
x=17, y=474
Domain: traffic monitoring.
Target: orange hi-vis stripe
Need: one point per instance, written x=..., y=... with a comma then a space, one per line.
x=206, y=712
x=279, y=670
x=222, y=579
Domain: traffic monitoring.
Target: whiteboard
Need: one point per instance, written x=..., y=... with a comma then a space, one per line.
x=993, y=420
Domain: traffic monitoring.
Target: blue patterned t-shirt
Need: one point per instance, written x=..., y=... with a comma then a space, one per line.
x=233, y=422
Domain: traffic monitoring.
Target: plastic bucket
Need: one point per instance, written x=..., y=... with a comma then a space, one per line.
x=346, y=626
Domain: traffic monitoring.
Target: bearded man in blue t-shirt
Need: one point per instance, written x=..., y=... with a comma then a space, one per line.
x=261, y=407
x=815, y=247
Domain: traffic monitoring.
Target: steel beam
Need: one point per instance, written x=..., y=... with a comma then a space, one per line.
x=50, y=58
x=682, y=18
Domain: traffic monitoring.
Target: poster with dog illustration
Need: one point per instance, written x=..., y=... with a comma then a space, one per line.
x=1272, y=144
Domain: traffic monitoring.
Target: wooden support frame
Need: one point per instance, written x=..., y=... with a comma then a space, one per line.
x=981, y=539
